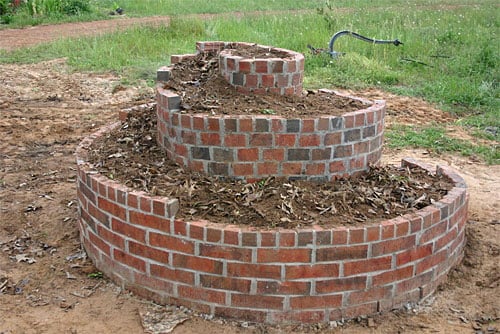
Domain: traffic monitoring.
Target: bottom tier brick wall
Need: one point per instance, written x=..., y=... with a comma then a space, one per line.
x=272, y=276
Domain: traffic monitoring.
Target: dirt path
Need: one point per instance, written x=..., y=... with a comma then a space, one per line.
x=11, y=39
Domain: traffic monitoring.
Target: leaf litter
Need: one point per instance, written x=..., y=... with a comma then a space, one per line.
x=129, y=155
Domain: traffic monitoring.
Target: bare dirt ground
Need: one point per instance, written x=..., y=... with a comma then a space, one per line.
x=45, y=110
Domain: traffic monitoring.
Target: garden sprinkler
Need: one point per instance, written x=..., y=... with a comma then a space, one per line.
x=336, y=54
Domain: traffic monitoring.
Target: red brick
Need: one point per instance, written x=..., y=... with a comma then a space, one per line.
x=341, y=253
x=99, y=215
x=99, y=243
x=248, y=154
x=212, y=139
x=148, y=252
x=413, y=254
x=415, y=223
x=373, y=294
x=308, y=317
x=402, y=227
x=186, y=121
x=198, y=123
x=172, y=274
x=214, y=234
x=225, y=283
x=415, y=282
x=261, y=66
x=372, y=233
x=245, y=66
x=112, y=208
x=261, y=139
x=144, y=204
x=172, y=243
x=359, y=119
x=287, y=238
x=231, y=235
x=349, y=121
x=356, y=235
x=111, y=237
x=312, y=302
x=257, y=301
x=445, y=239
x=431, y=261
x=311, y=271
x=155, y=222
x=153, y=283
x=337, y=166
x=365, y=309
x=129, y=260
x=241, y=314
x=249, y=239
x=388, y=229
x=365, y=266
x=254, y=270
x=211, y=296
x=433, y=232
x=276, y=154
x=226, y=252
x=283, y=288
x=392, y=276
x=235, y=140
x=285, y=140
x=213, y=124
x=339, y=236
x=308, y=126
x=245, y=124
x=292, y=168
x=394, y=245
x=309, y=140
x=267, y=168
x=252, y=80
x=243, y=169
x=267, y=239
x=196, y=230
x=180, y=227
x=268, y=80
x=315, y=169
x=334, y=138
x=267, y=255
x=159, y=207
x=341, y=284
x=197, y=263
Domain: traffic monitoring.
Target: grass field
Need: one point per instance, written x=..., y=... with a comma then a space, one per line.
x=450, y=54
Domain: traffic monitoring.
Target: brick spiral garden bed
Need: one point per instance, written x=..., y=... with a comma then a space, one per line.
x=270, y=275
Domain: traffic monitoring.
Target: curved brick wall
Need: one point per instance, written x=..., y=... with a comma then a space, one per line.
x=274, y=276
x=282, y=75
x=254, y=147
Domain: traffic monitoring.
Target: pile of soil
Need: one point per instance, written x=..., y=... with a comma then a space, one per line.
x=203, y=90
x=131, y=156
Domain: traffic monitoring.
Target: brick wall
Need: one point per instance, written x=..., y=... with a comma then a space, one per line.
x=274, y=276
x=254, y=147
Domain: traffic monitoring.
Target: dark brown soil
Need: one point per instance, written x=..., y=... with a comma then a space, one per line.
x=203, y=90
x=131, y=156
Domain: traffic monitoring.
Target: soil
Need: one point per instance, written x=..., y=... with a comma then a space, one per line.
x=46, y=112
x=131, y=156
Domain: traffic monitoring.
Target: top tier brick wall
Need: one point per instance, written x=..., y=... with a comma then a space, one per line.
x=253, y=147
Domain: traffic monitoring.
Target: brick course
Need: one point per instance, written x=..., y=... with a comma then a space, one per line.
x=273, y=276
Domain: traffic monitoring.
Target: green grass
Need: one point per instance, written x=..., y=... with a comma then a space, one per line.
x=436, y=140
x=456, y=40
